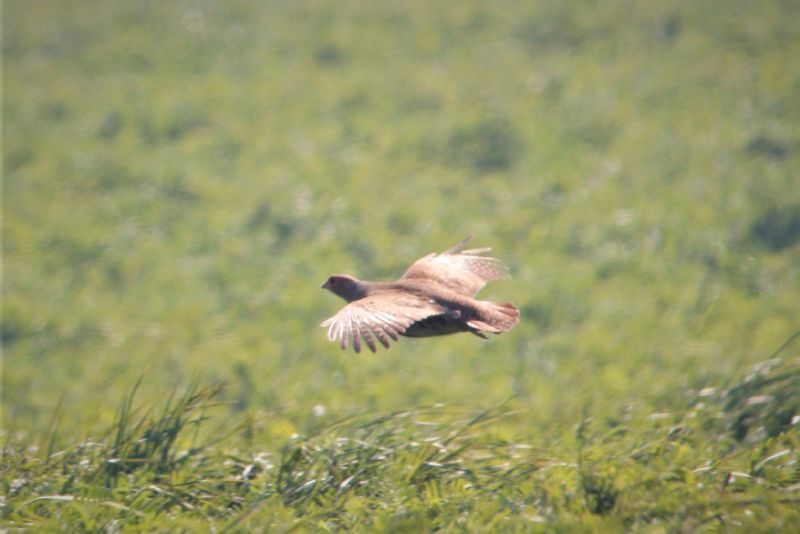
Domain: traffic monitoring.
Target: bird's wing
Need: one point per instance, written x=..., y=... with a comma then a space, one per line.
x=464, y=271
x=382, y=316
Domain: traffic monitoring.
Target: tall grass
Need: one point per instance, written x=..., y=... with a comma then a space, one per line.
x=182, y=464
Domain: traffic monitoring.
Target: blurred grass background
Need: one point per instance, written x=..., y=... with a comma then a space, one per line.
x=179, y=178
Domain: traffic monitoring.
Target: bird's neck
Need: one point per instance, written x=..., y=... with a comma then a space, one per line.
x=360, y=289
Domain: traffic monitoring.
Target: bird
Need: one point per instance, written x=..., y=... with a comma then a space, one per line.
x=434, y=297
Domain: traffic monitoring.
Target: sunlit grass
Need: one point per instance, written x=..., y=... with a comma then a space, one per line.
x=426, y=468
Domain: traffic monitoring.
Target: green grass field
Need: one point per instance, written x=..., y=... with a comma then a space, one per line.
x=180, y=177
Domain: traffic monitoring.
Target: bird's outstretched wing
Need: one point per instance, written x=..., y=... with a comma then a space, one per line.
x=382, y=316
x=464, y=271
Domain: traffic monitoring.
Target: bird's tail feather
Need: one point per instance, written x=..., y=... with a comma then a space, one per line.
x=495, y=317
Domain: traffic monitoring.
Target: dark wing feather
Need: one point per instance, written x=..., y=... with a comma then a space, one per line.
x=382, y=316
x=464, y=271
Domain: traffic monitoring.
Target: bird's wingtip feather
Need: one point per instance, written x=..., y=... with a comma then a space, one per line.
x=455, y=248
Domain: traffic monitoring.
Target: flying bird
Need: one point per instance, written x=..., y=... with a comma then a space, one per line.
x=435, y=297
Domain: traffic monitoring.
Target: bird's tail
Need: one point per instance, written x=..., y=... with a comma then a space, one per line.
x=495, y=317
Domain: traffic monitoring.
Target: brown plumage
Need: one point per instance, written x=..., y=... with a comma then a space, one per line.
x=434, y=297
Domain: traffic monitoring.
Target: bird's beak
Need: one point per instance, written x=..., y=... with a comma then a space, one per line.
x=325, y=285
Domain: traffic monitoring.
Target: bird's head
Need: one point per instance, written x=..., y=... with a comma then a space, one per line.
x=345, y=286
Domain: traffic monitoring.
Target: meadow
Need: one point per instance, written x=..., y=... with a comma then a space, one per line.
x=179, y=178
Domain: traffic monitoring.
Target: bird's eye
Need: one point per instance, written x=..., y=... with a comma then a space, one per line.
x=331, y=280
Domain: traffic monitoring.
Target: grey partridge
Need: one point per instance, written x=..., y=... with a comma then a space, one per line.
x=435, y=296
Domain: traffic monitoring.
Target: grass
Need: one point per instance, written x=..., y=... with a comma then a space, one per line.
x=430, y=468
x=179, y=179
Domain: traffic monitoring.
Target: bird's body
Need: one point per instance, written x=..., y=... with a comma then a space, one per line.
x=434, y=297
